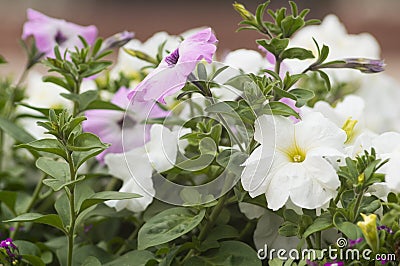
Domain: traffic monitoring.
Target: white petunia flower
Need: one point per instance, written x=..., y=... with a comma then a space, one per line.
x=332, y=33
x=291, y=162
x=351, y=109
x=135, y=167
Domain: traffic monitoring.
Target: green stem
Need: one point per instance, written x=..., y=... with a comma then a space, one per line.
x=71, y=196
x=278, y=62
x=130, y=238
x=230, y=132
x=318, y=237
x=357, y=206
x=32, y=202
x=210, y=223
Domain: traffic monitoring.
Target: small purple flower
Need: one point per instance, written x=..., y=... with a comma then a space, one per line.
x=10, y=248
x=87, y=228
x=334, y=263
x=49, y=32
x=354, y=242
x=110, y=125
x=171, y=74
x=384, y=227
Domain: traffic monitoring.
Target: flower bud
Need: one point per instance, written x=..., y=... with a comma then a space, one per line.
x=117, y=40
x=365, y=65
x=243, y=12
x=369, y=230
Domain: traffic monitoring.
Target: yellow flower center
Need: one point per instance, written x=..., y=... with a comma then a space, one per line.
x=295, y=154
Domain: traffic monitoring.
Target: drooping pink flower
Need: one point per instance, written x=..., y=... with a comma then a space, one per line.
x=49, y=32
x=110, y=126
x=171, y=74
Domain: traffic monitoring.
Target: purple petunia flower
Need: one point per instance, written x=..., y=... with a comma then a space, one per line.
x=49, y=32
x=171, y=74
x=110, y=125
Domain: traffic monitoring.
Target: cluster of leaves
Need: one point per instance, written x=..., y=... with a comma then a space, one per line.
x=356, y=176
x=74, y=66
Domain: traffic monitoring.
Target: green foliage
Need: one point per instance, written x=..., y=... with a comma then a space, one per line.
x=168, y=225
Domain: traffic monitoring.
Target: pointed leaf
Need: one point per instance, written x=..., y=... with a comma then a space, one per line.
x=49, y=219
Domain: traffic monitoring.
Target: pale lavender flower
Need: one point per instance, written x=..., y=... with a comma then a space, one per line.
x=172, y=73
x=49, y=32
x=109, y=124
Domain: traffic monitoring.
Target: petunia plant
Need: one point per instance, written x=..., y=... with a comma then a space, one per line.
x=174, y=155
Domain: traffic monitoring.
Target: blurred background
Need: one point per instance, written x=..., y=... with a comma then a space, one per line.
x=380, y=18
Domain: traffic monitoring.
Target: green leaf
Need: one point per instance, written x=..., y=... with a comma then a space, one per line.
x=79, y=157
x=56, y=184
x=15, y=131
x=86, y=98
x=95, y=68
x=239, y=82
x=2, y=59
x=302, y=95
x=98, y=104
x=8, y=198
x=349, y=229
x=275, y=46
x=56, y=80
x=284, y=94
x=34, y=260
x=290, y=25
x=140, y=257
x=102, y=196
x=297, y=53
x=325, y=77
x=288, y=229
x=63, y=209
x=201, y=72
x=324, y=54
x=227, y=107
x=49, y=219
x=279, y=108
x=322, y=222
x=230, y=253
x=86, y=142
x=91, y=261
x=45, y=145
x=58, y=170
x=168, y=225
x=44, y=111
x=222, y=232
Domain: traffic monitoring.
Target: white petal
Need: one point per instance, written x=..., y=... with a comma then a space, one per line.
x=135, y=170
x=393, y=172
x=162, y=148
x=318, y=185
x=315, y=131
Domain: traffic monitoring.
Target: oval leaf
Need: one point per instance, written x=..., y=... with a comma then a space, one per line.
x=168, y=225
